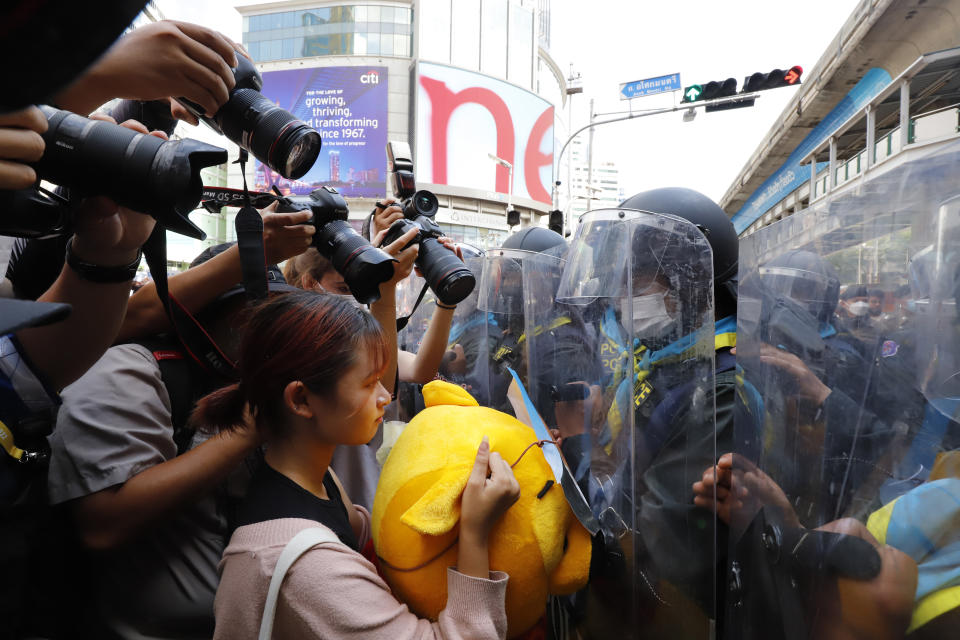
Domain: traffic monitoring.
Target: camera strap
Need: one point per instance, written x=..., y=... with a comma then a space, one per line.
x=197, y=342
x=402, y=322
x=249, y=225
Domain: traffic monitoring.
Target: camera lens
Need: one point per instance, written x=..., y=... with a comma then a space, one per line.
x=362, y=265
x=446, y=274
x=424, y=204
x=273, y=135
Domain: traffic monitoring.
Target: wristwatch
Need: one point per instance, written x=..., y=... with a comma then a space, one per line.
x=99, y=273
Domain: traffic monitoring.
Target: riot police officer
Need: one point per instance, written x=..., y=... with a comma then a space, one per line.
x=662, y=270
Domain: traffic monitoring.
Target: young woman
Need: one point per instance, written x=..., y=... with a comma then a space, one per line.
x=310, y=367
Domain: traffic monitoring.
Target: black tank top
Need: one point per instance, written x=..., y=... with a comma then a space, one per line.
x=272, y=496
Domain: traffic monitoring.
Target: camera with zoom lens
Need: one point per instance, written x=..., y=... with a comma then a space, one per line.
x=362, y=265
x=273, y=135
x=95, y=158
x=446, y=274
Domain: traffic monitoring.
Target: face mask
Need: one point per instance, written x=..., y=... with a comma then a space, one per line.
x=650, y=315
x=859, y=308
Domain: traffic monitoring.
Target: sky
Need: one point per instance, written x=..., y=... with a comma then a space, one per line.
x=611, y=42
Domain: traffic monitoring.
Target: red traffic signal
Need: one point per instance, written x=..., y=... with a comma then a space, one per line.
x=772, y=80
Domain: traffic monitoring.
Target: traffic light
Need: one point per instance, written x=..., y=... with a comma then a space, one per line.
x=710, y=90
x=772, y=80
x=513, y=218
x=555, y=222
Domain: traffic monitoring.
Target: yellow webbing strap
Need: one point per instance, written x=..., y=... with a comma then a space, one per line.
x=6, y=439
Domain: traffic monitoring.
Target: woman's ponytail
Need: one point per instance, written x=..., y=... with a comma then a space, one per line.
x=221, y=410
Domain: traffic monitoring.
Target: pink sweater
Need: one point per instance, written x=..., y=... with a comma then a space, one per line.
x=334, y=592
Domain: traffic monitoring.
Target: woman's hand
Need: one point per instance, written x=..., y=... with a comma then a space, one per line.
x=491, y=490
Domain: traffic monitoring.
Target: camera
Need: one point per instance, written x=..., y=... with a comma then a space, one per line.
x=92, y=157
x=362, y=265
x=273, y=135
x=446, y=274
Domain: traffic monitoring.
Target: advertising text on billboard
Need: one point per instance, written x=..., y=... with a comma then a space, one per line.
x=348, y=106
x=463, y=116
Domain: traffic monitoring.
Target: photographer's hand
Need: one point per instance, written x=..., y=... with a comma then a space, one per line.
x=106, y=235
x=283, y=237
x=385, y=309
x=384, y=216
x=284, y=234
x=20, y=141
x=160, y=60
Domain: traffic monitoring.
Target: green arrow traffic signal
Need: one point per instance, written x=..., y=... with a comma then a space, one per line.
x=692, y=93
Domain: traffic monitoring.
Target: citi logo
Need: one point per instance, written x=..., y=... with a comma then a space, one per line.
x=371, y=77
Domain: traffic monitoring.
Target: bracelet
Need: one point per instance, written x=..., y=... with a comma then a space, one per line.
x=99, y=273
x=443, y=306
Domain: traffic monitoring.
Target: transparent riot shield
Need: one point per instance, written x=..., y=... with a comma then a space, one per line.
x=842, y=490
x=636, y=410
x=473, y=333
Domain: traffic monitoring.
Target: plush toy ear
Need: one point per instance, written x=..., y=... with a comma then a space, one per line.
x=439, y=392
x=438, y=509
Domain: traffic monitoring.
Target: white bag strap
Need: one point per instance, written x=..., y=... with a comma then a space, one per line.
x=298, y=545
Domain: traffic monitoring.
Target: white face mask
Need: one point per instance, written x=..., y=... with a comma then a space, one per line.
x=859, y=308
x=650, y=315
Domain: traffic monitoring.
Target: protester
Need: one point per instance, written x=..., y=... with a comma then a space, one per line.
x=310, y=370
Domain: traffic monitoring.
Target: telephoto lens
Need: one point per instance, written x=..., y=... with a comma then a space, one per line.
x=363, y=266
x=449, y=278
x=141, y=172
x=273, y=135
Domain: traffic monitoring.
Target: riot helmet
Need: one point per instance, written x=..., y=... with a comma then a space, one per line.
x=536, y=239
x=712, y=222
x=805, y=278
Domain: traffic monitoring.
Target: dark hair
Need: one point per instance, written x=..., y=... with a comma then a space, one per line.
x=876, y=293
x=304, y=335
x=854, y=291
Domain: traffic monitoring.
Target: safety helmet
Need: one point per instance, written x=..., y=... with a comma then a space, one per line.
x=805, y=278
x=536, y=239
x=703, y=212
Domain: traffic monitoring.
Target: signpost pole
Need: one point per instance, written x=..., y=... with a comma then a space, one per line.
x=590, y=162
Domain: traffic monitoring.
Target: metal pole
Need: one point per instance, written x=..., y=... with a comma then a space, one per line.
x=652, y=112
x=590, y=163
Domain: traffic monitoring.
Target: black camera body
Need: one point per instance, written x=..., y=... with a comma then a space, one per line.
x=273, y=135
x=362, y=265
x=446, y=274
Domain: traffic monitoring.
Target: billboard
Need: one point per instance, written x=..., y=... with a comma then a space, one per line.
x=348, y=106
x=463, y=116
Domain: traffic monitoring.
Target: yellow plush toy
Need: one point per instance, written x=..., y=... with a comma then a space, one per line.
x=416, y=511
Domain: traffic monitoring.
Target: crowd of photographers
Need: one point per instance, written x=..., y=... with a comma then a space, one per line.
x=162, y=447
x=116, y=509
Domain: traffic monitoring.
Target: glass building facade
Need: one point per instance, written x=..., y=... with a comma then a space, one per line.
x=377, y=30
x=503, y=46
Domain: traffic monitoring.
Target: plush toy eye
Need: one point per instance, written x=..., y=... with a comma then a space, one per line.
x=546, y=488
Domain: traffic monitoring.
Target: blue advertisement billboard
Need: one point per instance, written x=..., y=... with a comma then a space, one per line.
x=348, y=106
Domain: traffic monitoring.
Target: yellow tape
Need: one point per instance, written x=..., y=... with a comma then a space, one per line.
x=6, y=439
x=933, y=605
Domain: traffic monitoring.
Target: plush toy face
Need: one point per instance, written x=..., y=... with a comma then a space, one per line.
x=416, y=510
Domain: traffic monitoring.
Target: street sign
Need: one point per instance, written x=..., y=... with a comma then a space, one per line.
x=650, y=86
